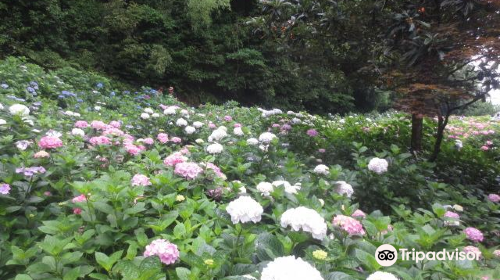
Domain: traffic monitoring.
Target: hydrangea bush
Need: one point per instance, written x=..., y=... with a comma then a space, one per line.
x=91, y=188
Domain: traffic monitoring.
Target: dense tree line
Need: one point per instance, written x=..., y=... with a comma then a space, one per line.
x=208, y=50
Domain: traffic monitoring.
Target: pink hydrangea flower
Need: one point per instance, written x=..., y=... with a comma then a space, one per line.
x=77, y=211
x=81, y=124
x=188, y=170
x=286, y=127
x=474, y=234
x=47, y=193
x=149, y=141
x=99, y=125
x=496, y=253
x=494, y=197
x=312, y=132
x=174, y=159
x=166, y=251
x=41, y=154
x=80, y=198
x=212, y=125
x=216, y=169
x=228, y=118
x=358, y=214
x=176, y=139
x=133, y=149
x=162, y=137
x=485, y=148
x=237, y=125
x=474, y=250
x=452, y=215
x=349, y=225
x=113, y=131
x=140, y=180
x=50, y=142
x=322, y=151
x=4, y=188
x=100, y=140
x=115, y=124
x=276, y=125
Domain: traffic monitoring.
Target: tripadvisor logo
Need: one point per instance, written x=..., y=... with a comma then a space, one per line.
x=387, y=255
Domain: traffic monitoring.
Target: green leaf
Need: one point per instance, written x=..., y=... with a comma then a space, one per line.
x=23, y=277
x=268, y=247
x=108, y=262
x=183, y=273
x=73, y=274
x=339, y=276
x=179, y=231
x=367, y=259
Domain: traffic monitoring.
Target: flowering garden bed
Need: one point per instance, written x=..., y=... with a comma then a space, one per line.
x=97, y=183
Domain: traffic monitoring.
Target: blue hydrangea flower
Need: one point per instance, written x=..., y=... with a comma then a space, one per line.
x=112, y=93
x=100, y=85
x=30, y=89
x=4, y=86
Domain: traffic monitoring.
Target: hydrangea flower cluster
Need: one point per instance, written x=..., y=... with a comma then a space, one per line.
x=174, y=159
x=188, y=170
x=358, y=214
x=349, y=225
x=244, y=209
x=378, y=165
x=265, y=188
x=321, y=169
x=4, y=188
x=494, y=198
x=344, y=188
x=215, y=148
x=474, y=250
x=50, y=142
x=380, y=275
x=474, y=234
x=140, y=180
x=166, y=251
x=290, y=268
x=306, y=219
x=30, y=171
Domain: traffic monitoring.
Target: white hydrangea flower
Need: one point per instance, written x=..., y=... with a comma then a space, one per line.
x=148, y=110
x=23, y=144
x=321, y=169
x=69, y=113
x=197, y=124
x=238, y=131
x=97, y=108
x=181, y=122
x=244, y=209
x=199, y=141
x=266, y=137
x=184, y=112
x=170, y=111
x=344, y=188
x=290, y=268
x=144, y=116
x=296, y=121
x=190, y=129
x=380, y=275
x=265, y=188
x=19, y=110
x=54, y=133
x=77, y=131
x=378, y=165
x=306, y=219
x=1, y=106
x=252, y=141
x=215, y=148
x=155, y=115
x=289, y=188
x=217, y=135
x=2, y=122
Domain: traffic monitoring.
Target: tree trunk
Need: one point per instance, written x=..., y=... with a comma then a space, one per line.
x=442, y=122
x=417, y=122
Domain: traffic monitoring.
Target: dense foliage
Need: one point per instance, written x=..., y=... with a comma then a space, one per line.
x=100, y=183
x=207, y=50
